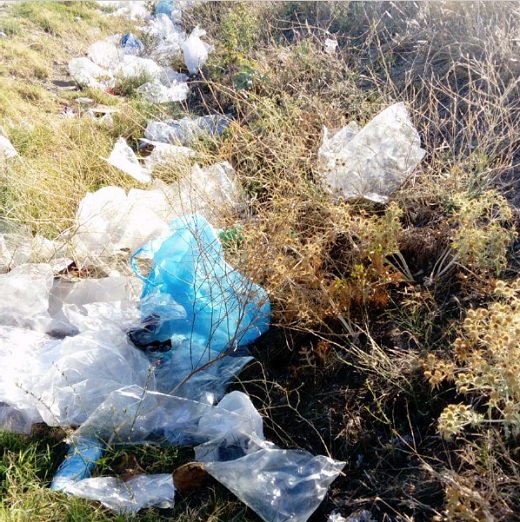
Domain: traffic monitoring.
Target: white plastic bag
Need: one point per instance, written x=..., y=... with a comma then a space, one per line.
x=87, y=74
x=373, y=162
x=156, y=92
x=195, y=51
x=105, y=54
x=6, y=148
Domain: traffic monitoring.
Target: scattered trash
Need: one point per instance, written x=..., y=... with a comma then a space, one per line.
x=359, y=516
x=140, y=492
x=195, y=51
x=330, y=46
x=130, y=44
x=124, y=158
x=87, y=74
x=156, y=92
x=372, y=162
x=6, y=147
x=224, y=309
x=279, y=485
x=84, y=101
x=105, y=54
x=168, y=8
x=186, y=130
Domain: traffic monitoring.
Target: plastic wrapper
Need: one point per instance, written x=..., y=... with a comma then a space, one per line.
x=124, y=158
x=141, y=491
x=185, y=130
x=195, y=51
x=6, y=148
x=279, y=485
x=224, y=309
x=156, y=92
x=373, y=162
x=87, y=74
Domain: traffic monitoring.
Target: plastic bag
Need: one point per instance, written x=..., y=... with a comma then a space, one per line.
x=186, y=130
x=130, y=44
x=105, y=54
x=224, y=309
x=87, y=74
x=13, y=420
x=195, y=51
x=279, y=485
x=373, y=162
x=139, y=68
x=79, y=463
x=156, y=92
x=25, y=294
x=140, y=492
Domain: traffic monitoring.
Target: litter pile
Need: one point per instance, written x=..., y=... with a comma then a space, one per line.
x=146, y=358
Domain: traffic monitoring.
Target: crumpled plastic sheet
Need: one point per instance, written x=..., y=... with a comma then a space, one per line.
x=7, y=149
x=372, y=162
x=186, y=130
x=110, y=221
x=140, y=492
x=195, y=51
x=125, y=159
x=224, y=308
x=279, y=485
x=87, y=74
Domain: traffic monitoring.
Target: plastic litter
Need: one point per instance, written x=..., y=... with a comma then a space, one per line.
x=87, y=74
x=124, y=158
x=14, y=421
x=195, y=51
x=224, y=309
x=168, y=8
x=186, y=130
x=330, y=45
x=78, y=464
x=104, y=54
x=140, y=492
x=278, y=484
x=373, y=162
x=156, y=92
x=6, y=148
x=130, y=44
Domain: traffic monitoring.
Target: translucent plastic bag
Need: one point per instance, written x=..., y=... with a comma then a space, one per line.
x=140, y=492
x=224, y=309
x=373, y=162
x=87, y=74
x=195, y=51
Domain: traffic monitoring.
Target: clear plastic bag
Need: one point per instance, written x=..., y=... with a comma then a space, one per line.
x=195, y=51
x=373, y=162
x=141, y=491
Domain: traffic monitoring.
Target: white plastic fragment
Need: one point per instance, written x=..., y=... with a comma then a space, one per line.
x=140, y=492
x=195, y=51
x=87, y=74
x=13, y=420
x=156, y=92
x=105, y=54
x=373, y=162
x=330, y=45
x=124, y=158
x=6, y=148
x=186, y=129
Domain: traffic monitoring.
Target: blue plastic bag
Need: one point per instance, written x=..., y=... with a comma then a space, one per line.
x=224, y=309
x=131, y=44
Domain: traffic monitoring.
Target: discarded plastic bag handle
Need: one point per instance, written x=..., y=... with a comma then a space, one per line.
x=133, y=262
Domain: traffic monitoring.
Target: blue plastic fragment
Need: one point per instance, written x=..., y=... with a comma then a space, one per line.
x=78, y=464
x=164, y=7
x=224, y=309
x=131, y=44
